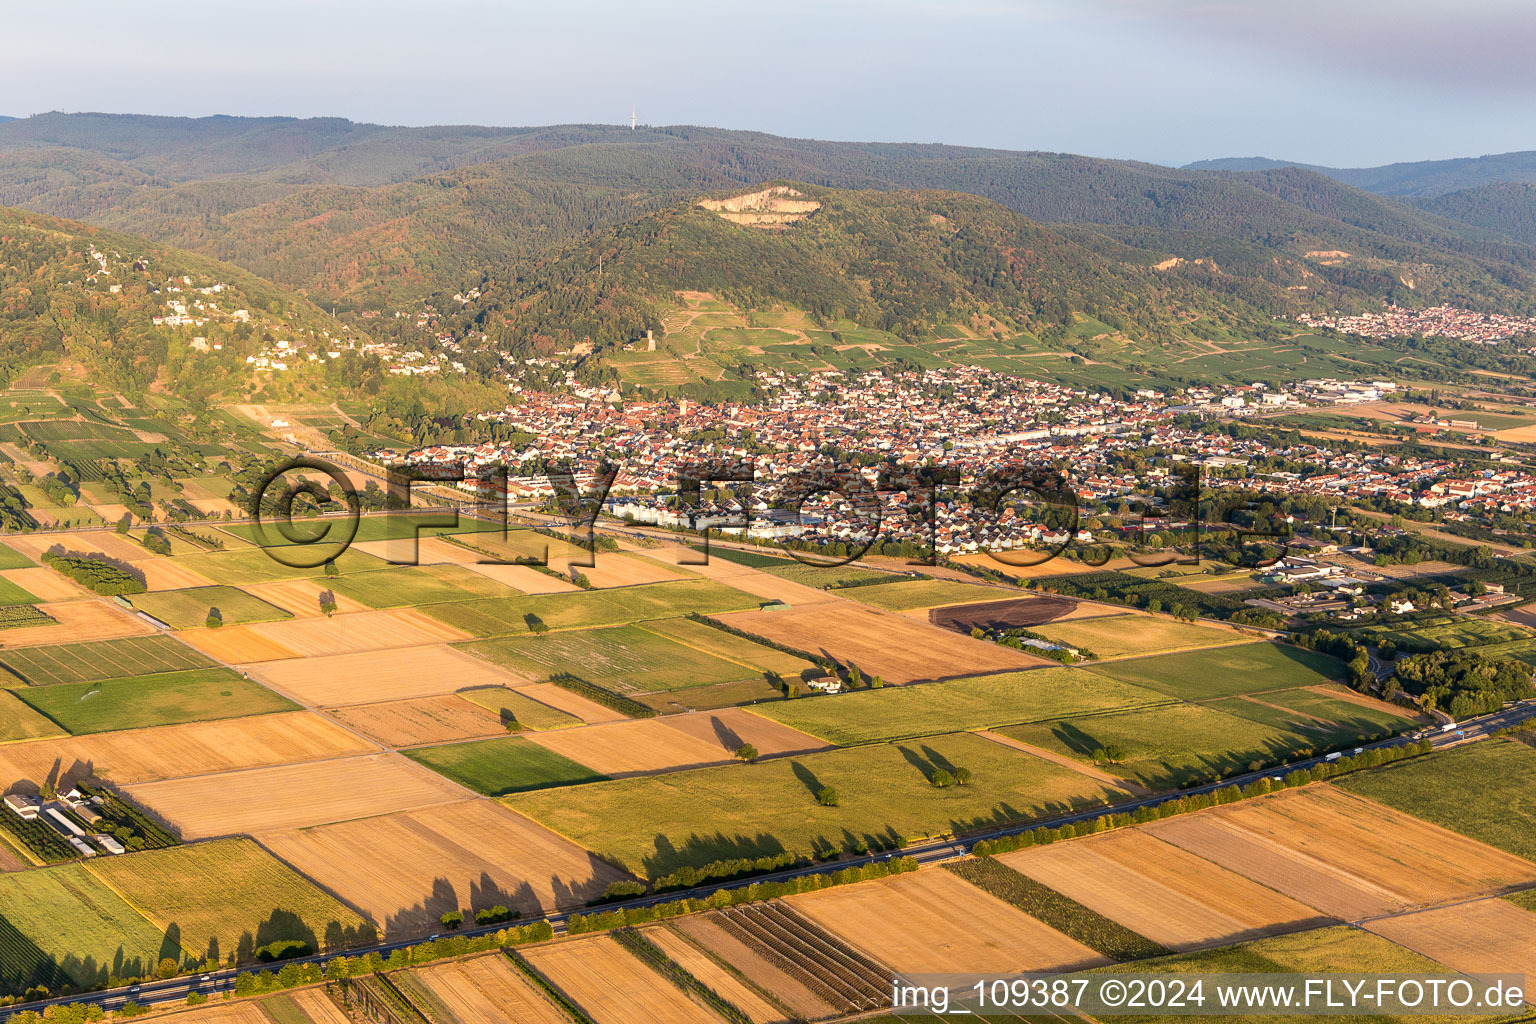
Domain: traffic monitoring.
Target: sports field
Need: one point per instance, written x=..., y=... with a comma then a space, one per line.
x=216, y=893
x=404, y=870
x=1166, y=746
x=1501, y=773
x=956, y=705
x=510, y=615
x=508, y=764
x=618, y=657
x=1227, y=671
x=137, y=702
x=105, y=659
x=1120, y=636
x=65, y=914
x=414, y=586
x=656, y=824
x=190, y=609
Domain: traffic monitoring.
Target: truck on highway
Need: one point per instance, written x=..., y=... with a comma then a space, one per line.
x=1448, y=726
x=1333, y=756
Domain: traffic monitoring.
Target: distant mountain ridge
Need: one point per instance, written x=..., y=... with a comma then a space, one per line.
x=1418, y=179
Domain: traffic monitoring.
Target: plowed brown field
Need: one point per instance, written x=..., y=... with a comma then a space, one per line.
x=405, y=870
x=294, y=796
x=613, y=986
x=935, y=922
x=1160, y=891
x=380, y=675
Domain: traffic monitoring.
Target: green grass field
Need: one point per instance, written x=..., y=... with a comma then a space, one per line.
x=1118, y=636
x=66, y=914
x=654, y=825
x=1352, y=722
x=18, y=721
x=10, y=593
x=189, y=609
x=509, y=615
x=618, y=657
x=507, y=764
x=1484, y=790
x=1169, y=745
x=136, y=702
x=219, y=892
x=413, y=586
x=1525, y=899
x=909, y=594
x=720, y=644
x=526, y=711
x=255, y=565
x=1226, y=671
x=958, y=705
x=101, y=659
x=10, y=558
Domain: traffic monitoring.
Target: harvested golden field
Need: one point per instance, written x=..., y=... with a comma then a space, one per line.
x=404, y=723
x=98, y=542
x=612, y=985
x=731, y=727
x=168, y=574
x=301, y=598
x=637, y=747
x=293, y=795
x=236, y=645
x=360, y=631
x=318, y=1007
x=880, y=643
x=173, y=751
x=405, y=870
x=1390, y=861
x=1163, y=892
x=88, y=619
x=488, y=990
x=561, y=699
x=45, y=584
x=705, y=931
x=618, y=569
x=935, y=922
x=239, y=1011
x=744, y=578
x=1486, y=937
x=430, y=671
x=699, y=964
x=523, y=578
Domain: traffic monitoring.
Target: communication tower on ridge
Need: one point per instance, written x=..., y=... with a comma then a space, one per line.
x=631, y=118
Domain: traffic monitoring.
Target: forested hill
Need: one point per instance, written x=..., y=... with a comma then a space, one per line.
x=1508, y=208
x=1421, y=178
x=79, y=294
x=899, y=262
x=369, y=216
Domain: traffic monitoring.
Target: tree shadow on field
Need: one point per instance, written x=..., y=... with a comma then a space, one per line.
x=928, y=762
x=728, y=737
x=698, y=850
x=807, y=778
x=1075, y=739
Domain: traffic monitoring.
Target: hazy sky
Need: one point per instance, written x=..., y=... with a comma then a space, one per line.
x=1344, y=82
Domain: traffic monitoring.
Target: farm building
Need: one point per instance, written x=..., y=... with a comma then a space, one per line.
x=23, y=806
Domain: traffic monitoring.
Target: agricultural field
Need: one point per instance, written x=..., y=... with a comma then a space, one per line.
x=729, y=728
x=65, y=915
x=932, y=922
x=14, y=593
x=612, y=985
x=318, y=638
x=509, y=764
x=764, y=971
x=18, y=721
x=105, y=659
x=138, y=702
x=1344, y=855
x=414, y=586
x=72, y=621
x=957, y=705
x=617, y=749
x=1331, y=721
x=1486, y=937
x=1158, y=890
x=10, y=558
x=716, y=976
x=191, y=609
x=421, y=720
x=908, y=595
x=651, y=825
x=487, y=990
x=511, y=615
x=224, y=896
x=171, y=751
x=48, y=585
x=827, y=970
x=1122, y=636
x=895, y=647
x=302, y=598
x=1166, y=746
x=512, y=706
x=313, y=793
x=1501, y=773
x=237, y=566
x=168, y=573
x=404, y=870
x=1228, y=671
x=720, y=644
x=1027, y=611
x=617, y=657
x=364, y=678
